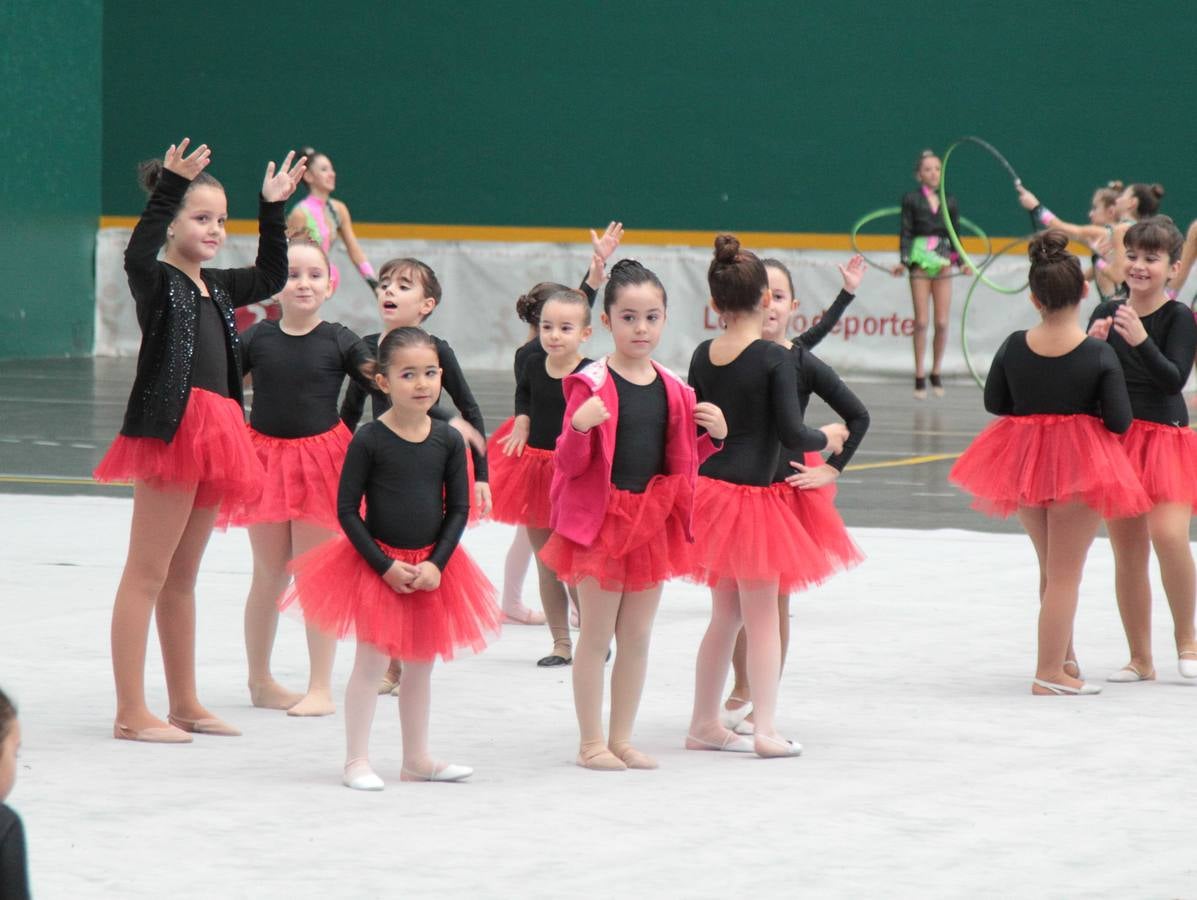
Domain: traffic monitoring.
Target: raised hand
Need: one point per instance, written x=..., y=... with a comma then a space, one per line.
x=280, y=185
x=428, y=577
x=606, y=245
x=400, y=576
x=852, y=273
x=836, y=433
x=517, y=439
x=592, y=412
x=175, y=159
x=808, y=478
x=597, y=272
x=1026, y=199
x=710, y=417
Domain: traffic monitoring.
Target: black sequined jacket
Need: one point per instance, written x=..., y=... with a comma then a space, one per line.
x=168, y=309
x=919, y=221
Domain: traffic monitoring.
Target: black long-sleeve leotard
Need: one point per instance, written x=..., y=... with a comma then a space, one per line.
x=188, y=339
x=758, y=394
x=817, y=378
x=919, y=221
x=1085, y=381
x=639, y=433
x=14, y=870
x=452, y=380
x=297, y=378
x=539, y=396
x=417, y=494
x=1157, y=369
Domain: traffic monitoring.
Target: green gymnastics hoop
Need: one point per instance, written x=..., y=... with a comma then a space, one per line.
x=947, y=219
x=968, y=299
x=897, y=210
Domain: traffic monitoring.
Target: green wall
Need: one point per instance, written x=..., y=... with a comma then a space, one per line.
x=755, y=115
x=50, y=102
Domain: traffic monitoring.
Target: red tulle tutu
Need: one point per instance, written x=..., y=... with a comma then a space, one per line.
x=641, y=542
x=210, y=451
x=1044, y=459
x=816, y=511
x=749, y=533
x=519, y=485
x=301, y=480
x=1165, y=459
x=340, y=594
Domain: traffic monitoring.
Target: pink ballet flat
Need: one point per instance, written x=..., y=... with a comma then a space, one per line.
x=157, y=735
x=211, y=726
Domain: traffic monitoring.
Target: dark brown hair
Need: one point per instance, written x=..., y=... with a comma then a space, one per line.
x=780, y=267
x=527, y=307
x=149, y=173
x=423, y=271
x=572, y=297
x=1149, y=197
x=1056, y=278
x=628, y=273
x=1158, y=233
x=401, y=339
x=311, y=153
x=736, y=277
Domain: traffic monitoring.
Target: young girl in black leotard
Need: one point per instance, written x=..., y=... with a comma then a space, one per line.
x=748, y=541
x=397, y=580
x=297, y=365
x=1155, y=339
x=1053, y=457
x=183, y=442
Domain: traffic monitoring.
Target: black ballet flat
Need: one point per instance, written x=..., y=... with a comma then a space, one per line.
x=553, y=661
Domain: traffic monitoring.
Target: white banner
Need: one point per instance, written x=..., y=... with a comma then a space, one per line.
x=481, y=281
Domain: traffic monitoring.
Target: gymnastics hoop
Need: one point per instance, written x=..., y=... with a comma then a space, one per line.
x=968, y=299
x=947, y=219
x=897, y=210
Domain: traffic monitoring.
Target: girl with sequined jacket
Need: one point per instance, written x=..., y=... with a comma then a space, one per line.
x=183, y=443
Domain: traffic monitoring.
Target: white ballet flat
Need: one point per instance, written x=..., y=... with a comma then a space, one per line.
x=1187, y=664
x=731, y=718
x=733, y=743
x=781, y=748
x=363, y=781
x=449, y=772
x=1128, y=674
x=1083, y=690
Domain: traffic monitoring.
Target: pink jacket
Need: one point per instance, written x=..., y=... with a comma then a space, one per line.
x=582, y=475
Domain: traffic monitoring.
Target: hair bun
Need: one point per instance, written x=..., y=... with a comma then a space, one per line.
x=527, y=308
x=727, y=248
x=149, y=173
x=308, y=151
x=1048, y=247
x=1116, y=185
x=299, y=234
x=1158, y=191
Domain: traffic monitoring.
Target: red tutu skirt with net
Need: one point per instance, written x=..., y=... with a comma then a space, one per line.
x=1040, y=460
x=519, y=485
x=210, y=452
x=300, y=483
x=642, y=541
x=1165, y=459
x=341, y=594
x=751, y=533
x=815, y=509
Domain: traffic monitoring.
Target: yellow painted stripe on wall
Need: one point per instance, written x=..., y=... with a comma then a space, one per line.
x=517, y=234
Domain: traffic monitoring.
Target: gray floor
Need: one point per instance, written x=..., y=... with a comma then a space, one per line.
x=58, y=416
